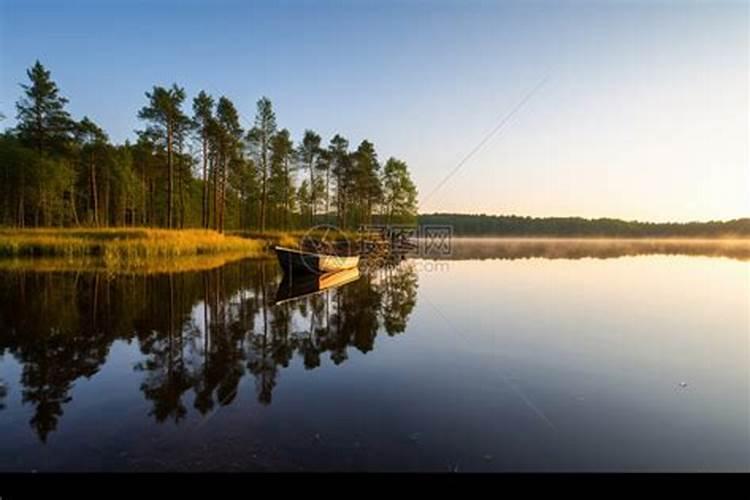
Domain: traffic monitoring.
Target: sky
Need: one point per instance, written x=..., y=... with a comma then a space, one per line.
x=634, y=110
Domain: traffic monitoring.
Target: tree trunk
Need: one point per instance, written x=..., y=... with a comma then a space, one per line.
x=215, y=182
x=94, y=195
x=264, y=190
x=263, y=200
x=41, y=213
x=151, y=214
x=286, y=196
x=328, y=191
x=204, y=206
x=312, y=195
x=225, y=174
x=20, y=214
x=339, y=203
x=143, y=195
x=106, y=202
x=170, y=177
x=221, y=195
x=73, y=203
x=182, y=194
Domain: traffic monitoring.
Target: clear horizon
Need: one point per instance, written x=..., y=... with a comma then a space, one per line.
x=642, y=113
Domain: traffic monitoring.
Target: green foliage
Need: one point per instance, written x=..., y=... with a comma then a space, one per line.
x=164, y=110
x=203, y=109
x=197, y=171
x=259, y=139
x=43, y=122
x=281, y=184
x=399, y=193
x=167, y=123
x=226, y=136
x=365, y=183
x=310, y=157
x=340, y=165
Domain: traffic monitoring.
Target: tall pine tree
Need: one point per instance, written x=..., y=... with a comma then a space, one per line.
x=310, y=156
x=43, y=122
x=259, y=139
x=203, y=106
x=164, y=112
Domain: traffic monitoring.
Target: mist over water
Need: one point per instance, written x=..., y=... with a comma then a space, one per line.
x=597, y=248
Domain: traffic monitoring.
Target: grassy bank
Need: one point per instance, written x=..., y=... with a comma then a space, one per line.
x=123, y=244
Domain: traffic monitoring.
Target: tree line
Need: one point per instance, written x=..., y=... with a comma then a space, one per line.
x=512, y=225
x=188, y=168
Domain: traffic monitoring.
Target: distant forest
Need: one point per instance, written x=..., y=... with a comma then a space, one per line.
x=192, y=167
x=511, y=225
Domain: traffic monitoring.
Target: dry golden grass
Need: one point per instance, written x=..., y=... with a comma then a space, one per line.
x=114, y=245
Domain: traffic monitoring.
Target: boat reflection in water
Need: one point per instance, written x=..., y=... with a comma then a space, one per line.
x=294, y=287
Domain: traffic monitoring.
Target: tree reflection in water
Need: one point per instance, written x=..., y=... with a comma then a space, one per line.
x=3, y=394
x=198, y=333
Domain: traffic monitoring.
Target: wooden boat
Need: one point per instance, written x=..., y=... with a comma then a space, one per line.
x=292, y=260
x=293, y=287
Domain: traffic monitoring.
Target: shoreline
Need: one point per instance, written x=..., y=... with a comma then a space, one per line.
x=153, y=250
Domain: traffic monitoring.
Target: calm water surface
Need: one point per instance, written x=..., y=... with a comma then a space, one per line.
x=518, y=361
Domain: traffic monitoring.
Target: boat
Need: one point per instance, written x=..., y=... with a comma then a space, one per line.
x=293, y=287
x=291, y=260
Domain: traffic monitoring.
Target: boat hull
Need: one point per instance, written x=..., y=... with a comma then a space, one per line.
x=295, y=260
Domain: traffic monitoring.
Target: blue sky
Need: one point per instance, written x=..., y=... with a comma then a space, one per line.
x=643, y=113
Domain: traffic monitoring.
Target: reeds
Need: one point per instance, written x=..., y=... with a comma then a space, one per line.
x=122, y=244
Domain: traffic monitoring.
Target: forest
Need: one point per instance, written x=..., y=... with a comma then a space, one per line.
x=560, y=227
x=188, y=168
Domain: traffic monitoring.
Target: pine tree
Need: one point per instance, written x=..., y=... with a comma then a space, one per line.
x=259, y=139
x=229, y=137
x=43, y=123
x=164, y=112
x=365, y=180
x=399, y=192
x=280, y=182
x=340, y=166
x=310, y=157
x=94, y=144
x=203, y=106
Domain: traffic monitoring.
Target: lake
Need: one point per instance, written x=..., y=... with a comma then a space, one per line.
x=501, y=356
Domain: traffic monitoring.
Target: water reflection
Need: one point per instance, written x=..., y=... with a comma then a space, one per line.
x=3, y=394
x=296, y=285
x=198, y=332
